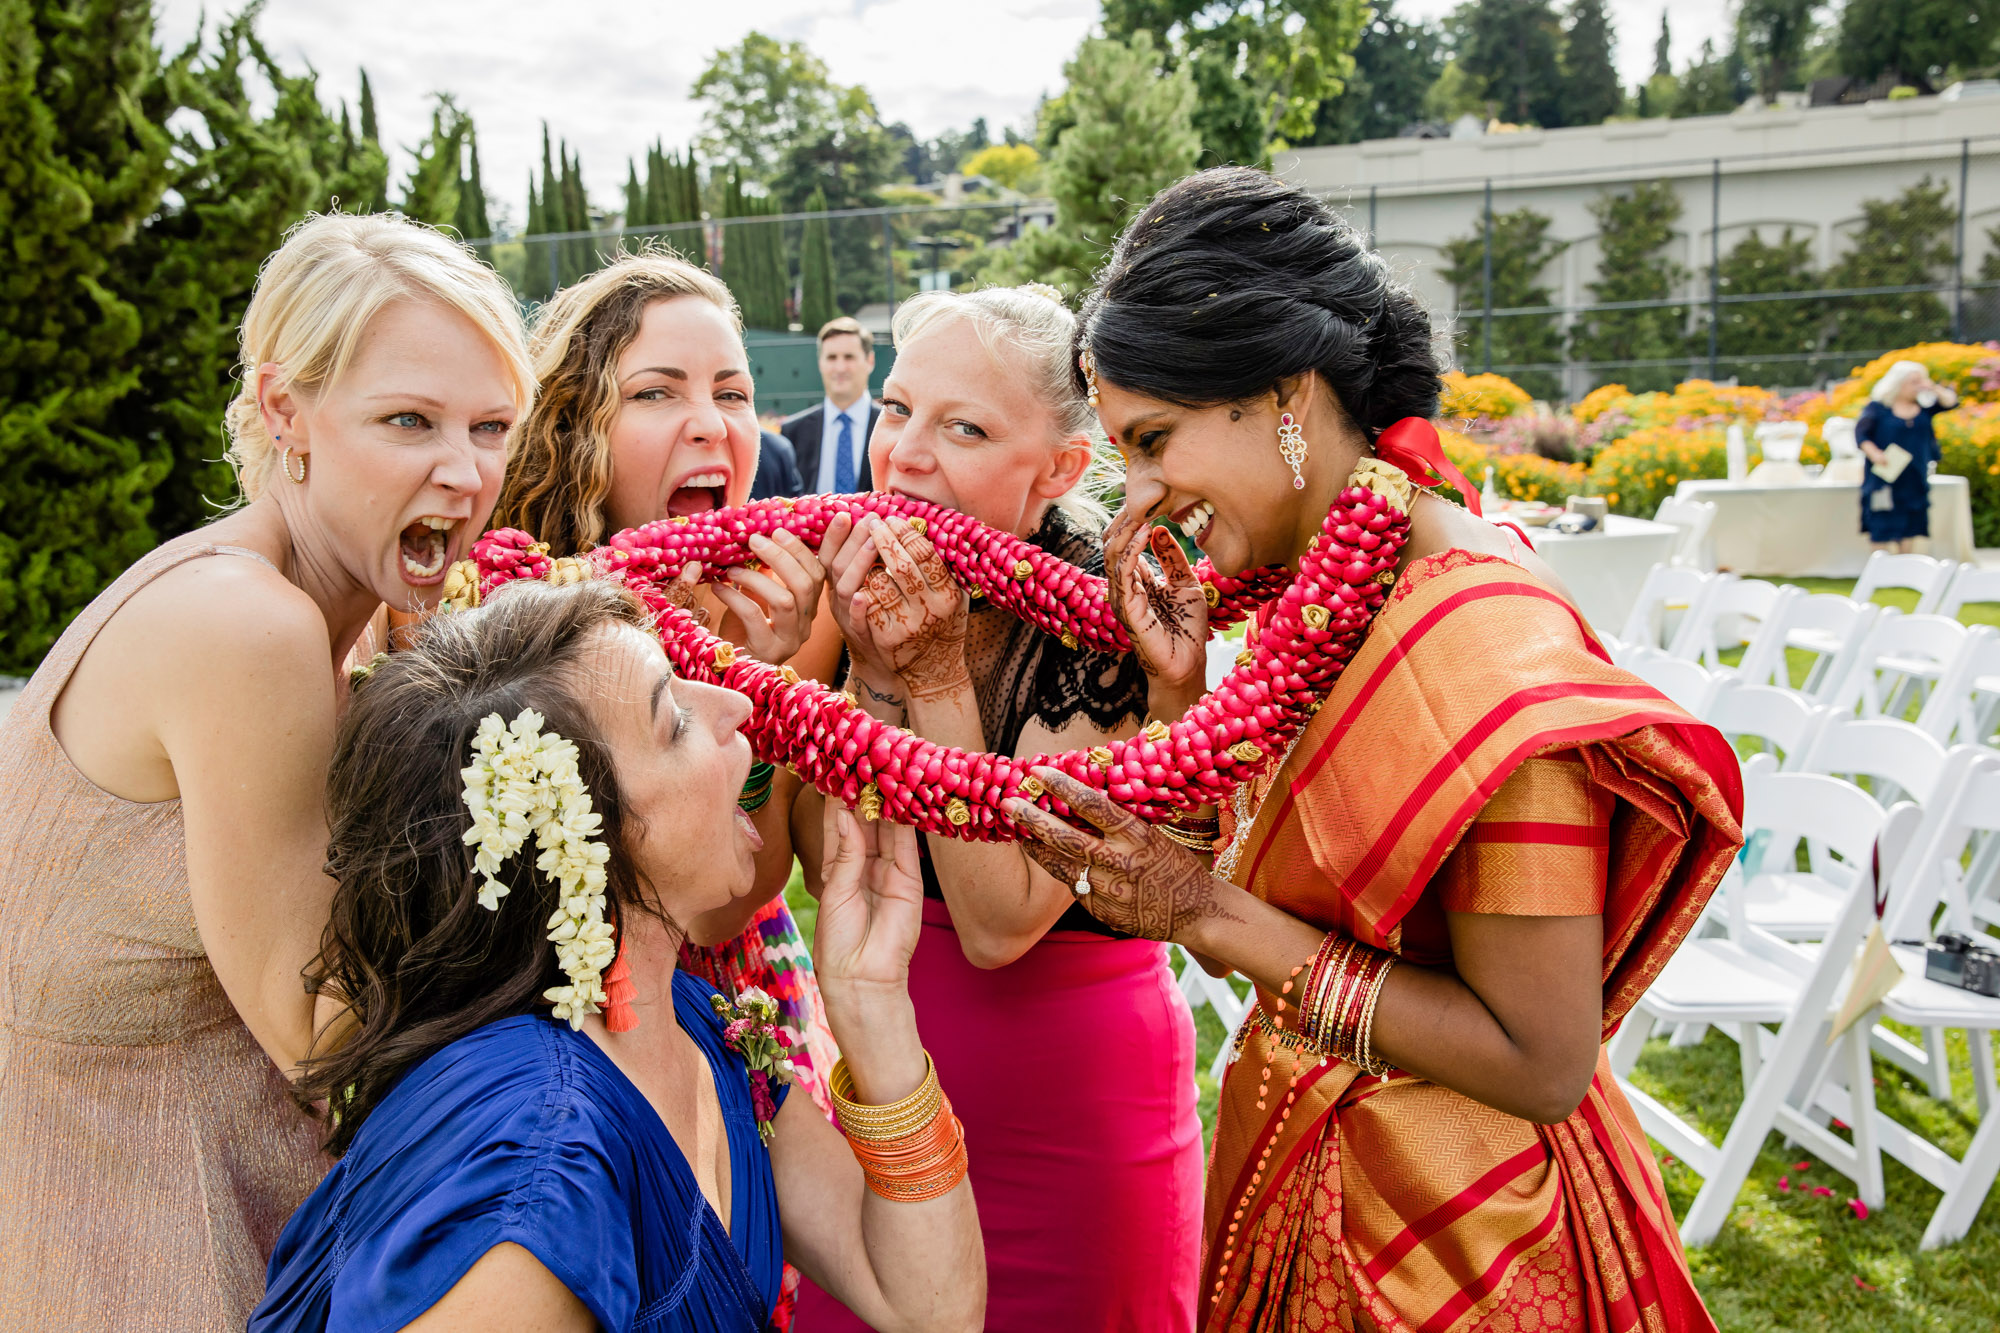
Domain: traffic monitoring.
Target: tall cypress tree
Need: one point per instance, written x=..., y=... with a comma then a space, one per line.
x=83, y=167
x=1663, y=60
x=472, y=222
x=431, y=192
x=635, y=199
x=368, y=128
x=535, y=273
x=1590, y=88
x=816, y=298
x=580, y=252
x=693, y=242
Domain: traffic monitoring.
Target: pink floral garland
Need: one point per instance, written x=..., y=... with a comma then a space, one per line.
x=1315, y=625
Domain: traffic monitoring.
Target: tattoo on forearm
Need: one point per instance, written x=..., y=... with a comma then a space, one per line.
x=892, y=700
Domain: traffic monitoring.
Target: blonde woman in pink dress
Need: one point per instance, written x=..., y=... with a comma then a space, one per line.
x=160, y=869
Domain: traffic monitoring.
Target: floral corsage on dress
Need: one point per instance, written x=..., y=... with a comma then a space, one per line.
x=750, y=1028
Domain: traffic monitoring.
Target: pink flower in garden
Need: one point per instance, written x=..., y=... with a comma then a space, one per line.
x=1822, y=1192
x=1860, y=1209
x=1802, y=1166
x=1863, y=1285
x=1784, y=1184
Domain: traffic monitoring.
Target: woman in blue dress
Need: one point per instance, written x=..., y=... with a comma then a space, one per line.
x=533, y=771
x=1903, y=402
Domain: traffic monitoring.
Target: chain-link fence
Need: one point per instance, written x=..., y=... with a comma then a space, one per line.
x=1723, y=269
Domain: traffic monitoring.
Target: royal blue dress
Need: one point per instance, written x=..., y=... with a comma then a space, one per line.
x=1909, y=514
x=525, y=1131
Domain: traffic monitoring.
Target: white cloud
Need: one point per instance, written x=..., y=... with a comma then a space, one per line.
x=610, y=76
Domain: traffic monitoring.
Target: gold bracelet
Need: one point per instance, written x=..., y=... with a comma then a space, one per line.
x=894, y=1121
x=1205, y=844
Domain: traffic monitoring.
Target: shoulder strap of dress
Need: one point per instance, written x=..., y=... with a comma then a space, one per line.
x=54, y=672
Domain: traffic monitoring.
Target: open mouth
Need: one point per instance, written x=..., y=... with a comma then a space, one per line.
x=750, y=834
x=424, y=545
x=1194, y=521
x=698, y=494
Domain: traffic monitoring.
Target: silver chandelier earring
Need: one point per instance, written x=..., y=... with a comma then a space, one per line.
x=1292, y=444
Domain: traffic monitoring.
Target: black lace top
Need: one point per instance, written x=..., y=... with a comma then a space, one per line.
x=1020, y=674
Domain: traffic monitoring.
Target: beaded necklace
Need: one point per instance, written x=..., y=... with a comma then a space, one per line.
x=1317, y=622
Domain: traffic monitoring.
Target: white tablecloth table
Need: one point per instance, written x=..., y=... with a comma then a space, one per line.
x=1814, y=531
x=1604, y=570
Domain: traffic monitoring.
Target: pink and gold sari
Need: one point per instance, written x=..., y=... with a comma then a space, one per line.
x=1479, y=754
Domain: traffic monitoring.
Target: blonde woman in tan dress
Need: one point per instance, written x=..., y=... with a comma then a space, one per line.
x=160, y=881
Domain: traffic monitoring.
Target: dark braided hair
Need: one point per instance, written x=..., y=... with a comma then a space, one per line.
x=1233, y=280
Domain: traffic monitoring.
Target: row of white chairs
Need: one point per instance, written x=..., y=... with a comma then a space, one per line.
x=1864, y=658
x=1803, y=1076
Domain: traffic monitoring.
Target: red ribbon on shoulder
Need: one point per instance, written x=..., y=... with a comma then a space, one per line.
x=1412, y=444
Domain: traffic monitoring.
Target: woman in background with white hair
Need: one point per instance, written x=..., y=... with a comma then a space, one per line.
x=1895, y=433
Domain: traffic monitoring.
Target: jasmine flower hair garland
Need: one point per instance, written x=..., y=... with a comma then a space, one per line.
x=524, y=781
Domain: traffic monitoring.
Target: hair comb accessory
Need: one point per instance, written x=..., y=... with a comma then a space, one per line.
x=523, y=782
x=1088, y=362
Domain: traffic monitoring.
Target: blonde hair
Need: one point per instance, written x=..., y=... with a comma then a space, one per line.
x=316, y=295
x=1891, y=383
x=1032, y=323
x=560, y=473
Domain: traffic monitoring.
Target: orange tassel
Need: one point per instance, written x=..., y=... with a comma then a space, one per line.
x=618, y=993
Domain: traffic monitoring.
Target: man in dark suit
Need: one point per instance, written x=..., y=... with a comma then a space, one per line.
x=777, y=468
x=831, y=440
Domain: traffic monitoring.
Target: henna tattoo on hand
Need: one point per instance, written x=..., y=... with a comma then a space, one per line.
x=1143, y=882
x=928, y=656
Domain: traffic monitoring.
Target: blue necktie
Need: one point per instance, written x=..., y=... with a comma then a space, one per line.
x=843, y=461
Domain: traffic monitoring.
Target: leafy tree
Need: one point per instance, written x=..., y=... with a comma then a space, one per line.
x=1522, y=252
x=1509, y=49
x=1633, y=231
x=431, y=192
x=846, y=162
x=1283, y=58
x=1912, y=39
x=763, y=96
x=1395, y=64
x=1011, y=166
x=1902, y=242
x=239, y=180
x=1749, y=329
x=1456, y=93
x=83, y=167
x=1772, y=35
x=817, y=304
x=1132, y=134
x=1714, y=85
x=1590, y=89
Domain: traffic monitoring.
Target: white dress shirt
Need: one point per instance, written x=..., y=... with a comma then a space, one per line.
x=829, y=440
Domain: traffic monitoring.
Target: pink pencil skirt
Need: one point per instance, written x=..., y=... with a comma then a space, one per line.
x=1072, y=1069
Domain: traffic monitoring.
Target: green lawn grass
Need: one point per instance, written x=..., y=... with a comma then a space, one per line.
x=1790, y=1259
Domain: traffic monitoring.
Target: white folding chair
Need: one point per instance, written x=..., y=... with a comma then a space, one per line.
x=1199, y=988
x=1828, y=626
x=1924, y=575
x=1969, y=805
x=1775, y=895
x=1902, y=657
x=1753, y=978
x=1718, y=622
x=1972, y=583
x=1964, y=708
x=1899, y=761
x=1682, y=681
x=1668, y=600
x=1781, y=721
x=1694, y=518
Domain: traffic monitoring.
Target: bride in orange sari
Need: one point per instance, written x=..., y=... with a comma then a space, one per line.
x=1452, y=887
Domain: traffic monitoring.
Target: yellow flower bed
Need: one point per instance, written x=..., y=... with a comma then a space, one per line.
x=1969, y=442
x=1516, y=476
x=1483, y=396
x=1642, y=469
x=1592, y=404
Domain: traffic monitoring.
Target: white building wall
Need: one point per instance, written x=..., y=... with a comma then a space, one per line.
x=1806, y=169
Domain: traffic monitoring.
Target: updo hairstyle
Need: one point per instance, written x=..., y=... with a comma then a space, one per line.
x=319, y=290
x=560, y=473
x=1030, y=326
x=408, y=947
x=1233, y=280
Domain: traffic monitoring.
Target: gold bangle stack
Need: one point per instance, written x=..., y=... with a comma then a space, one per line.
x=1193, y=831
x=1337, y=1005
x=910, y=1150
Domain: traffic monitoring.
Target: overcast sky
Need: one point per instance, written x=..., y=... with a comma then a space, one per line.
x=611, y=76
